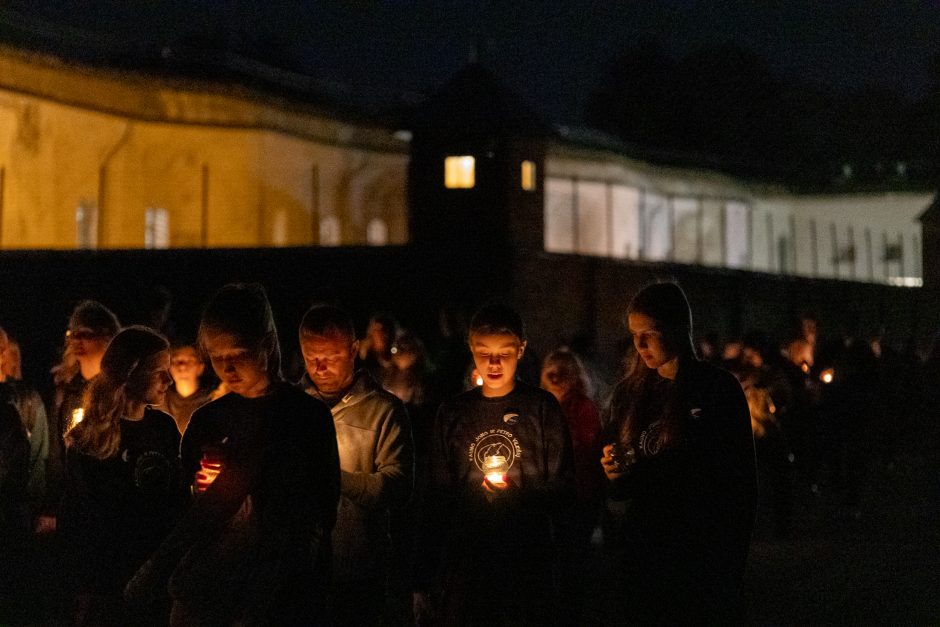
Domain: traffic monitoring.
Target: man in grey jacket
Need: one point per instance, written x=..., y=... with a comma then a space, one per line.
x=376, y=455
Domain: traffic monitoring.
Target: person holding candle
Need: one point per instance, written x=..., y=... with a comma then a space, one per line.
x=91, y=327
x=262, y=463
x=121, y=494
x=681, y=473
x=376, y=455
x=495, y=535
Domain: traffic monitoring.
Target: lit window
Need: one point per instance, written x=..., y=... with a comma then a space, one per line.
x=279, y=229
x=156, y=228
x=329, y=231
x=459, y=172
x=86, y=223
x=377, y=232
x=528, y=176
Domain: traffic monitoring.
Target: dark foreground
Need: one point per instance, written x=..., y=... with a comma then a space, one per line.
x=877, y=563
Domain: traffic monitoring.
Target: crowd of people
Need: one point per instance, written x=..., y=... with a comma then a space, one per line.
x=383, y=484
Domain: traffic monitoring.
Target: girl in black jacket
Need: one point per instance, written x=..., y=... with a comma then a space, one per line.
x=680, y=468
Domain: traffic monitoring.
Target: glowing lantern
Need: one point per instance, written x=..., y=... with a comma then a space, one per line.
x=495, y=469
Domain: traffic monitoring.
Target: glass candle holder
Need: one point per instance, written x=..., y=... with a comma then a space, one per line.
x=495, y=469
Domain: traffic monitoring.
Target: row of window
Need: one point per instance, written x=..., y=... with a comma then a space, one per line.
x=613, y=220
x=460, y=173
x=157, y=228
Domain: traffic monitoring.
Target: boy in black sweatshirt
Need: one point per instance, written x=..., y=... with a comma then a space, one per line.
x=497, y=517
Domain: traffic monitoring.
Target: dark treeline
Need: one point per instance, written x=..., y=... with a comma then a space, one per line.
x=724, y=103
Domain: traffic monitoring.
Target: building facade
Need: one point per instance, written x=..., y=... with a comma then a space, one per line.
x=94, y=159
x=99, y=159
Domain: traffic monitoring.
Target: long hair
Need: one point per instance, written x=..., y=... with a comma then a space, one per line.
x=242, y=310
x=126, y=367
x=667, y=305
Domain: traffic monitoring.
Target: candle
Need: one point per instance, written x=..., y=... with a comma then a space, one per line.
x=495, y=469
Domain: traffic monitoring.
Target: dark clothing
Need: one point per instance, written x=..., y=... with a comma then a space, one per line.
x=14, y=507
x=68, y=399
x=116, y=511
x=687, y=506
x=182, y=407
x=255, y=546
x=32, y=414
x=585, y=426
x=494, y=556
x=14, y=473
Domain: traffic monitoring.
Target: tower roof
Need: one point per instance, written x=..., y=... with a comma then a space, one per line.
x=475, y=102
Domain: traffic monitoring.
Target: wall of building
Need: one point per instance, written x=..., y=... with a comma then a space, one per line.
x=82, y=161
x=602, y=204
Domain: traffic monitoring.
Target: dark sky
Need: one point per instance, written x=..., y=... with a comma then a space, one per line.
x=554, y=52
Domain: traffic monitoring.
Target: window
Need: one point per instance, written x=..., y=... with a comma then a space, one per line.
x=625, y=214
x=737, y=246
x=279, y=228
x=657, y=228
x=86, y=224
x=329, y=231
x=459, y=172
x=377, y=232
x=592, y=218
x=685, y=215
x=559, y=215
x=156, y=228
x=528, y=176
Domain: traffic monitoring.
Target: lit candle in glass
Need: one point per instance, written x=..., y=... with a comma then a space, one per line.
x=77, y=415
x=495, y=469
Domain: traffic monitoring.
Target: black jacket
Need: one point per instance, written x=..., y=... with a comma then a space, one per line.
x=689, y=511
x=255, y=545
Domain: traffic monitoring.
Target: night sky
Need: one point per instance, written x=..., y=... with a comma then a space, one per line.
x=554, y=52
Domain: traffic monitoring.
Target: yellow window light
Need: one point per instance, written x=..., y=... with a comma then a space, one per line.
x=528, y=176
x=459, y=172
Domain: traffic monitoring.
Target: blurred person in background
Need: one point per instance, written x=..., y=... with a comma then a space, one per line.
x=187, y=393
x=91, y=327
x=32, y=414
x=375, y=349
x=563, y=375
x=14, y=516
x=12, y=360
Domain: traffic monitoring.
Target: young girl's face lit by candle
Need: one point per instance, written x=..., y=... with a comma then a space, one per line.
x=241, y=369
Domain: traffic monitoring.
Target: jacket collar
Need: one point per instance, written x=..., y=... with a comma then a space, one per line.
x=364, y=385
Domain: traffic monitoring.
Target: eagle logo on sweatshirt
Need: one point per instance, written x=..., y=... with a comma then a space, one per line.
x=494, y=442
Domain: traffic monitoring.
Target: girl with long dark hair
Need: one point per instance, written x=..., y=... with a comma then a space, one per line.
x=121, y=493
x=680, y=469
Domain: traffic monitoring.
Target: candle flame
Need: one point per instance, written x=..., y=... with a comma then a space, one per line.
x=78, y=414
x=827, y=375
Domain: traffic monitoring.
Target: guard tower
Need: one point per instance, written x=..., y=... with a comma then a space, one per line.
x=475, y=181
